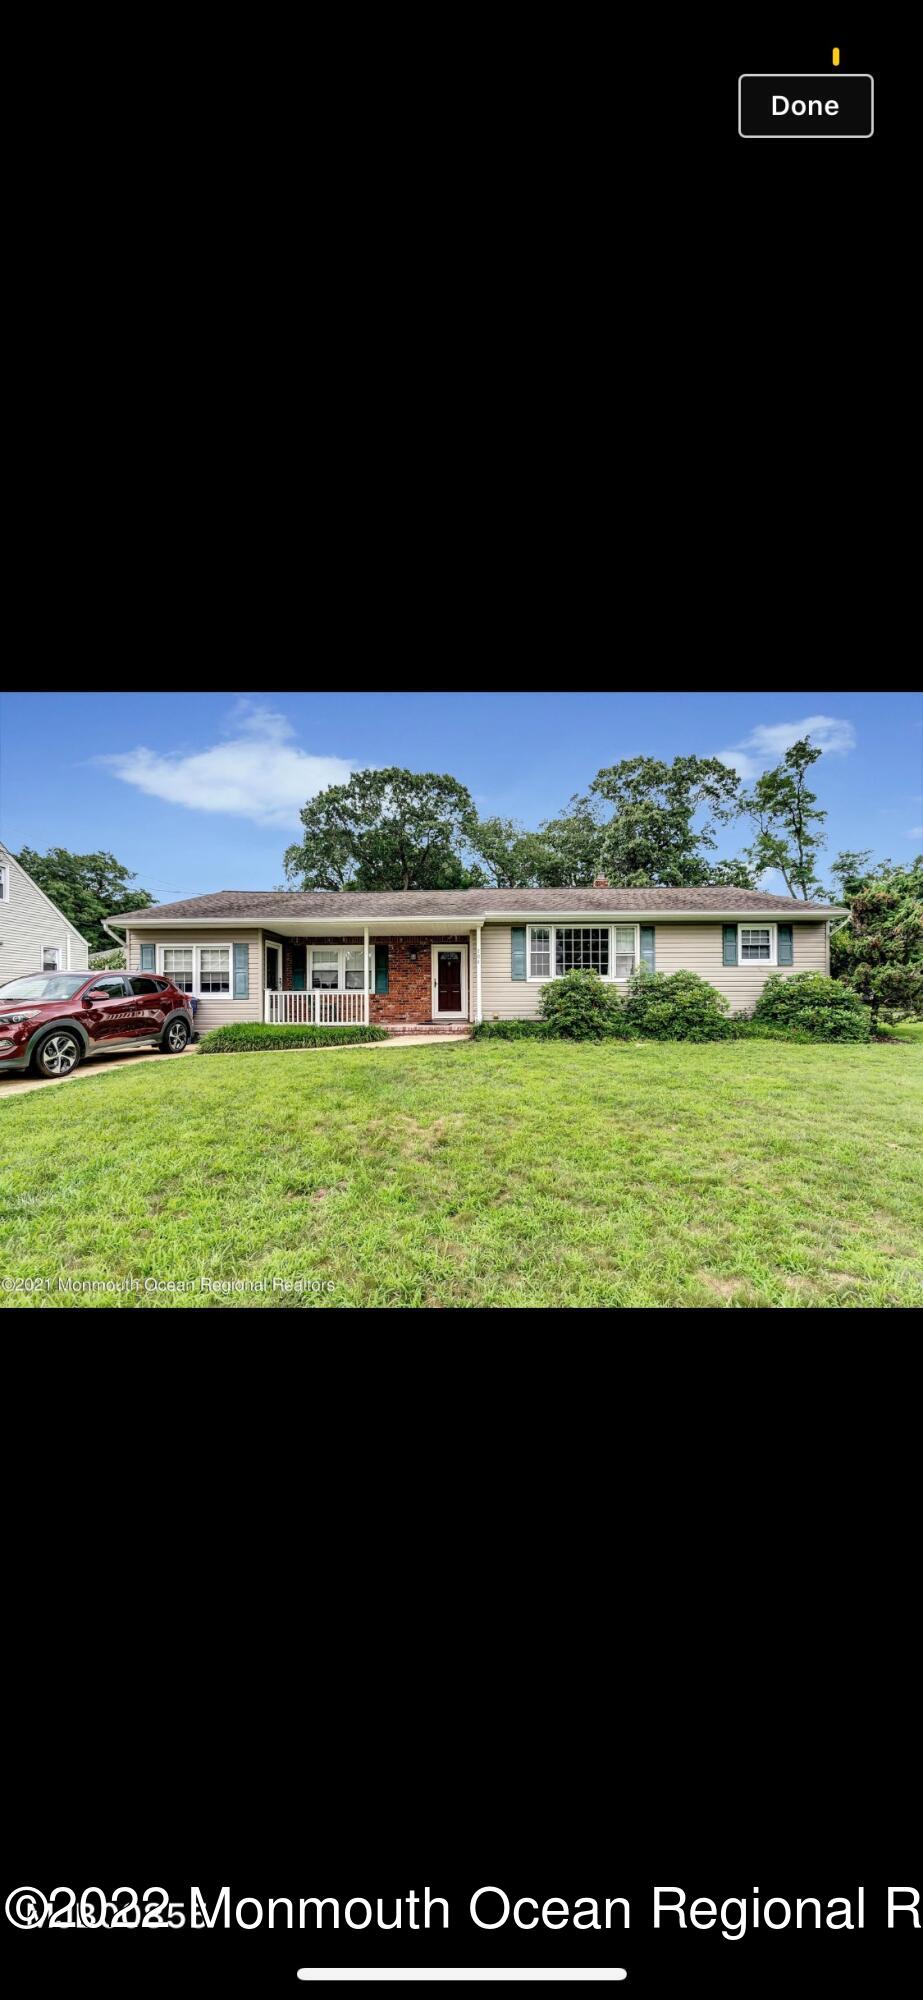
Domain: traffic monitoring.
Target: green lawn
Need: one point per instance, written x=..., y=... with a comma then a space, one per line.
x=483, y=1174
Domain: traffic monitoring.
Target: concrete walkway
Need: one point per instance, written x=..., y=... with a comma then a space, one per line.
x=16, y=1086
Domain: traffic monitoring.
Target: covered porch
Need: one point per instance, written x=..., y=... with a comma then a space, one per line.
x=352, y=975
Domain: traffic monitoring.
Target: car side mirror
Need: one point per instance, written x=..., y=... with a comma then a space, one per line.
x=95, y=993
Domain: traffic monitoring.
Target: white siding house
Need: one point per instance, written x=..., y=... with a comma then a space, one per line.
x=34, y=937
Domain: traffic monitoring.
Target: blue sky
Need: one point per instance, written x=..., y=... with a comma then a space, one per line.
x=197, y=792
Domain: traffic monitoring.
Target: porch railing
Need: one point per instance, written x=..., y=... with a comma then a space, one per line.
x=321, y=1006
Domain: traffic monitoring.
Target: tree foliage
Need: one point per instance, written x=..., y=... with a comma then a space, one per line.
x=512, y=858
x=652, y=836
x=879, y=953
x=788, y=821
x=85, y=888
x=389, y=829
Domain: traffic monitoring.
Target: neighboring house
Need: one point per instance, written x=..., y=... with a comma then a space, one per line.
x=34, y=937
x=452, y=956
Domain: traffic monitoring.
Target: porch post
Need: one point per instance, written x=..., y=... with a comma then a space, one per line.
x=365, y=982
x=477, y=953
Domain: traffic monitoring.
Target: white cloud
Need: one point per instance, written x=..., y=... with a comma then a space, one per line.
x=257, y=773
x=770, y=740
x=744, y=765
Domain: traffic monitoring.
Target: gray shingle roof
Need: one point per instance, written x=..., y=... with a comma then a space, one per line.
x=317, y=904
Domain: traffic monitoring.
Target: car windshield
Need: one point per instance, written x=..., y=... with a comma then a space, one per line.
x=44, y=986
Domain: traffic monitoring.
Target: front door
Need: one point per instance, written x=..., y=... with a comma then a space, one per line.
x=449, y=980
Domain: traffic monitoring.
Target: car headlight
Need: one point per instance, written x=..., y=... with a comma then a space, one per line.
x=9, y=1020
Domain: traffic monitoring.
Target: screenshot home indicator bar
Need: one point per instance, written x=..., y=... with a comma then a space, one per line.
x=459, y=1972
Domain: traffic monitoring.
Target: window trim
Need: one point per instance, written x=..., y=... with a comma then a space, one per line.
x=747, y=964
x=608, y=978
x=183, y=944
x=60, y=947
x=6, y=876
x=339, y=953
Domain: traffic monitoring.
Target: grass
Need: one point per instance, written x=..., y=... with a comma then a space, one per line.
x=482, y=1174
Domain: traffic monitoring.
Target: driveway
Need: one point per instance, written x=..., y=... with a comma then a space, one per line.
x=12, y=1085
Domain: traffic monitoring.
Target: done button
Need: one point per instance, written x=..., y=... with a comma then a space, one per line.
x=830, y=106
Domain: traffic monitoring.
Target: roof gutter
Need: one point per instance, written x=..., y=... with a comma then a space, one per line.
x=461, y=919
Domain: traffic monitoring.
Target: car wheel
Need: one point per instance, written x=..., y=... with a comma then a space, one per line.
x=58, y=1054
x=175, y=1039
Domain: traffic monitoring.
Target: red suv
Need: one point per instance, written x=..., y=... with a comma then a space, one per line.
x=54, y=1019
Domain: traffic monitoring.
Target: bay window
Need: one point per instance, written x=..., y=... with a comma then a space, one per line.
x=555, y=949
x=539, y=952
x=583, y=946
x=624, y=950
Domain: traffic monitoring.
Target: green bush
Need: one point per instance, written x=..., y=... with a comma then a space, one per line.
x=581, y=1008
x=247, y=1035
x=675, y=1007
x=819, y=1007
x=741, y=1028
x=511, y=1031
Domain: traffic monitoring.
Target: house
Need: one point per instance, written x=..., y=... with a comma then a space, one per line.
x=448, y=957
x=34, y=937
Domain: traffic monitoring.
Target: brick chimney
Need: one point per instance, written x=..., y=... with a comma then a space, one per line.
x=601, y=882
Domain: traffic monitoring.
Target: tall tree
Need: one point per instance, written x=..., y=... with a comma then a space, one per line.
x=390, y=829
x=852, y=867
x=736, y=874
x=573, y=844
x=652, y=836
x=879, y=953
x=788, y=822
x=512, y=857
x=85, y=888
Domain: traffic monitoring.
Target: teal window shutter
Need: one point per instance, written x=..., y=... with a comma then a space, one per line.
x=147, y=957
x=786, y=954
x=381, y=968
x=647, y=946
x=518, y=951
x=241, y=972
x=730, y=944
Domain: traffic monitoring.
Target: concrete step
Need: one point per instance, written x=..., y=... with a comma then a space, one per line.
x=462, y=1028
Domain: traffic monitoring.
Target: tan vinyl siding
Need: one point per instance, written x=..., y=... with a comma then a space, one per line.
x=502, y=997
x=692, y=947
x=214, y=1010
x=699, y=948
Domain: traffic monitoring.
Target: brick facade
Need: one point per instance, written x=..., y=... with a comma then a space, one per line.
x=410, y=989
x=410, y=986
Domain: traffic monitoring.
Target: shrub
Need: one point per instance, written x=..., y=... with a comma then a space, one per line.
x=821, y=1008
x=675, y=1007
x=511, y=1031
x=251, y=1035
x=581, y=1008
